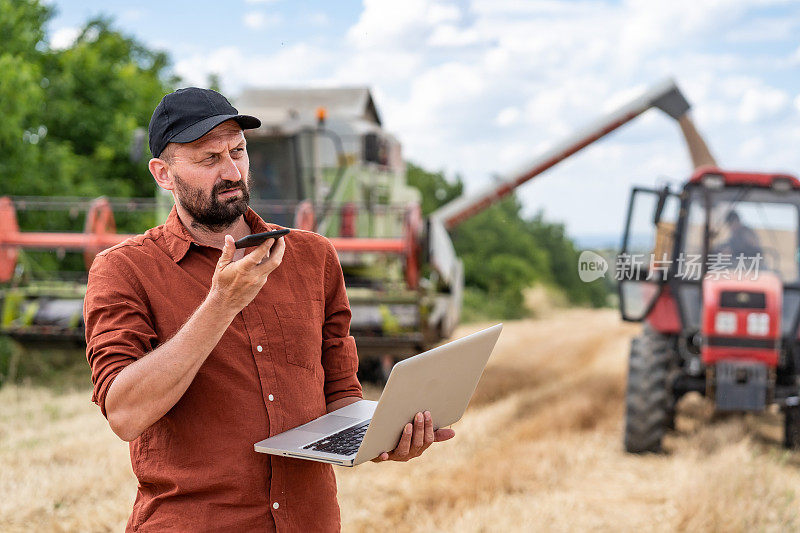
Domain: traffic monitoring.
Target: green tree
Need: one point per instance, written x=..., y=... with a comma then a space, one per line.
x=436, y=189
x=563, y=263
x=504, y=253
x=70, y=116
x=22, y=27
x=501, y=258
x=213, y=82
x=21, y=94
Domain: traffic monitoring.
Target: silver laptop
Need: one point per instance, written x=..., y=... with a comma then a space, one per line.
x=441, y=380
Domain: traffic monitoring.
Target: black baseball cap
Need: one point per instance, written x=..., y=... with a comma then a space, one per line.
x=187, y=114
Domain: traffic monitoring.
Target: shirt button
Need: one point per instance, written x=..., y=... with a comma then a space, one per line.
x=271, y=397
x=259, y=348
x=275, y=505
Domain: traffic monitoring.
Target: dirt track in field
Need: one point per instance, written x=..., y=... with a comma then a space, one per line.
x=538, y=450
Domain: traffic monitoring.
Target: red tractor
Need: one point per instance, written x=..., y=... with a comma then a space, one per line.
x=718, y=286
x=719, y=293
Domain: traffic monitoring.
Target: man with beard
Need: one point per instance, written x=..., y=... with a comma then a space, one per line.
x=199, y=350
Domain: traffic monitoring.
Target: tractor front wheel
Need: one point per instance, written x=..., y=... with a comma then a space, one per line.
x=648, y=401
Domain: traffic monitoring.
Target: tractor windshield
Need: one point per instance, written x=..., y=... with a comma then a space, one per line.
x=748, y=229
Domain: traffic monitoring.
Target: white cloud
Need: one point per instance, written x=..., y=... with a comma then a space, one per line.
x=753, y=147
x=319, y=18
x=378, y=68
x=64, y=37
x=257, y=20
x=507, y=116
x=438, y=110
x=292, y=65
x=765, y=30
x=400, y=24
x=759, y=103
x=481, y=86
x=448, y=35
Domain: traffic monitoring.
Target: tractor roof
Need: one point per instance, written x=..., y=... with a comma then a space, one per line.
x=731, y=178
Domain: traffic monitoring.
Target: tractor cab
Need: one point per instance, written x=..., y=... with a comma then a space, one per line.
x=714, y=272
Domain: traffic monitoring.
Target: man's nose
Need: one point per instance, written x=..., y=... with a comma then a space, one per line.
x=229, y=170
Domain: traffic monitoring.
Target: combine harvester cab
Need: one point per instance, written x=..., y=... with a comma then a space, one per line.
x=321, y=161
x=719, y=292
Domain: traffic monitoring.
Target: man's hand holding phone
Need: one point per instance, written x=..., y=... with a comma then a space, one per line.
x=236, y=283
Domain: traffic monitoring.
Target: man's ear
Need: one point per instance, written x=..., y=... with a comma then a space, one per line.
x=160, y=171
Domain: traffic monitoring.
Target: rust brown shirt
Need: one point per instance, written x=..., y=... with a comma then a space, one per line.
x=282, y=360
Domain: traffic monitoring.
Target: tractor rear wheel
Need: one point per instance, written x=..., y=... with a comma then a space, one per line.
x=791, y=437
x=648, y=400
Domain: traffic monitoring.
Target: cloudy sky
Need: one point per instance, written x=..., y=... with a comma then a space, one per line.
x=479, y=87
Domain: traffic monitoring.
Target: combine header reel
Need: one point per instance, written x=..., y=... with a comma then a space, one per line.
x=99, y=233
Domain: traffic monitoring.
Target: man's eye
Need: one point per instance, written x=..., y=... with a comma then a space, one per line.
x=237, y=152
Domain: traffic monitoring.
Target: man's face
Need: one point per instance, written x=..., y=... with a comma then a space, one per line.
x=211, y=176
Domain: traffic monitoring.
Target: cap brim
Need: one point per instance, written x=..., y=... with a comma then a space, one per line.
x=198, y=129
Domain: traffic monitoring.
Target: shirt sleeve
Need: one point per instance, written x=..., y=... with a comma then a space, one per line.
x=339, y=355
x=119, y=329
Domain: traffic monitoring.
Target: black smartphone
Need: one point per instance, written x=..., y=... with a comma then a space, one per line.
x=257, y=238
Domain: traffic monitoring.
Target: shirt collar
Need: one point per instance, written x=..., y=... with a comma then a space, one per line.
x=179, y=240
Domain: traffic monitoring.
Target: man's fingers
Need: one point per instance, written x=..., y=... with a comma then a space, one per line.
x=257, y=256
x=419, y=432
x=429, y=436
x=405, y=441
x=227, y=252
x=411, y=432
x=443, y=434
x=279, y=248
x=274, y=257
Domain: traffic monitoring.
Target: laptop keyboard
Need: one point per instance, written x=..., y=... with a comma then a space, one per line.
x=345, y=442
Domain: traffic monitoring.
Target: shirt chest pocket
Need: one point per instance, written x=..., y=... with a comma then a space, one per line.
x=301, y=328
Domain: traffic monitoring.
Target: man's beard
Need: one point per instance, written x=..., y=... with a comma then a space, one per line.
x=208, y=211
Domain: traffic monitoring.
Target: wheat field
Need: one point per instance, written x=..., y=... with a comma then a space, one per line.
x=539, y=449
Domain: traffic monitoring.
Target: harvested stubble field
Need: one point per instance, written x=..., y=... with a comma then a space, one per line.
x=538, y=450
